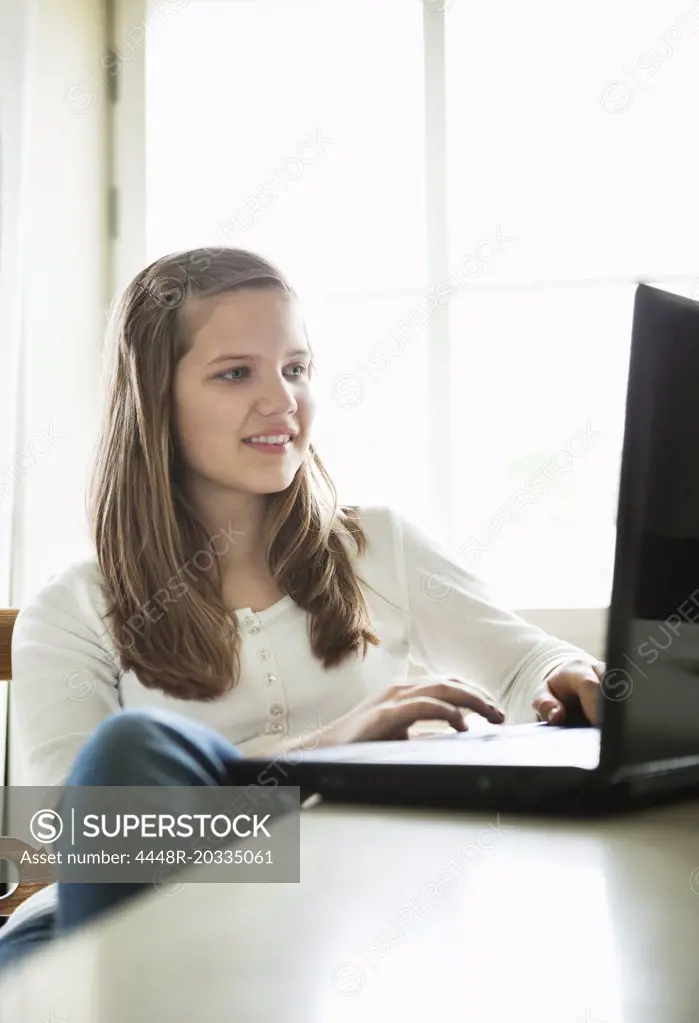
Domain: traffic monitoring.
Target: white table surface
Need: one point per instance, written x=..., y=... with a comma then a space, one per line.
x=536, y=920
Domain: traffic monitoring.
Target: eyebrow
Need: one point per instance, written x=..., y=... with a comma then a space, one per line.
x=231, y=358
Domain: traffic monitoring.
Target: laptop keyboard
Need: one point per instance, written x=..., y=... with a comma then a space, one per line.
x=487, y=732
x=532, y=745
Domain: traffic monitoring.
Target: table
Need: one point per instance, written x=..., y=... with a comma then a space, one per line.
x=405, y=915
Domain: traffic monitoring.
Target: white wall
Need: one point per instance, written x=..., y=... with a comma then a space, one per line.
x=64, y=225
x=12, y=49
x=12, y=62
x=64, y=288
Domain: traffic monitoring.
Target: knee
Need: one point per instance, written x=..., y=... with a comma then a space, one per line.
x=150, y=746
x=126, y=732
x=114, y=752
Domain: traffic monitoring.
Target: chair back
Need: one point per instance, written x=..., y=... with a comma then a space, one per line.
x=7, y=624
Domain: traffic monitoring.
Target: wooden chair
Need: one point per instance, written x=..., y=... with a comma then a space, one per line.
x=13, y=849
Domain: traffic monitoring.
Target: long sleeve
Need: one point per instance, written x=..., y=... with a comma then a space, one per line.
x=64, y=679
x=457, y=629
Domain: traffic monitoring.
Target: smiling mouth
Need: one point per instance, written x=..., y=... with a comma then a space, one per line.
x=275, y=440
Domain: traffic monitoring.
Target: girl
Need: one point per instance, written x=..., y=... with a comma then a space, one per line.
x=232, y=607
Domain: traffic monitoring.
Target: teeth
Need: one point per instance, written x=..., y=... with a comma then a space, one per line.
x=280, y=438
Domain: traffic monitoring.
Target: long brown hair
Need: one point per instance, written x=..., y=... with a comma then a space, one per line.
x=164, y=610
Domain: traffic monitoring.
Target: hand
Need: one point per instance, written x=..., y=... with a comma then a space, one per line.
x=577, y=682
x=389, y=714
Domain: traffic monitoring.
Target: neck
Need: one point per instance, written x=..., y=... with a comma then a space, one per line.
x=235, y=524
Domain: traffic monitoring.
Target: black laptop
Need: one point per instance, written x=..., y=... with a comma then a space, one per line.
x=647, y=748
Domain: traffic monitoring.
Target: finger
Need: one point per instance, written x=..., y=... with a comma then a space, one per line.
x=456, y=692
x=405, y=713
x=588, y=694
x=549, y=709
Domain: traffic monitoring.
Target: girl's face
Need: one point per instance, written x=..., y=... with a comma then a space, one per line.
x=244, y=382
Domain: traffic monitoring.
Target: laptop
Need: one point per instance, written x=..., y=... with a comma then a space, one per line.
x=647, y=746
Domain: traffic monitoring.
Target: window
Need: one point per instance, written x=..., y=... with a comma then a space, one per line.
x=274, y=151
x=538, y=406
x=570, y=167
x=292, y=128
x=465, y=194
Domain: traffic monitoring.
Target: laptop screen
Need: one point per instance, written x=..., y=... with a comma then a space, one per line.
x=653, y=638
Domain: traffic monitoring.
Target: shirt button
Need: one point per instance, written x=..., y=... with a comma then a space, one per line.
x=269, y=679
x=263, y=655
x=255, y=628
x=276, y=728
x=276, y=709
x=249, y=620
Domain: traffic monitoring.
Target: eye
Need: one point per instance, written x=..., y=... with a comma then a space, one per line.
x=240, y=371
x=299, y=366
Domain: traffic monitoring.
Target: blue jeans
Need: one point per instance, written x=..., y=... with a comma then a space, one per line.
x=133, y=747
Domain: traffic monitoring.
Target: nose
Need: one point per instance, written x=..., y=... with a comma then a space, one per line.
x=276, y=397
